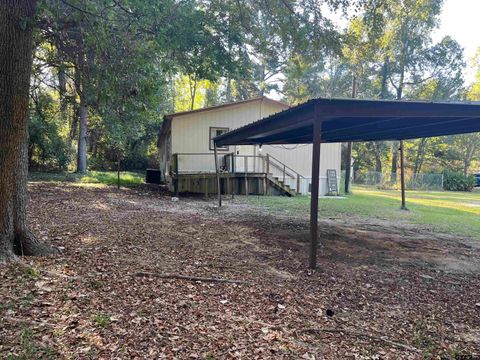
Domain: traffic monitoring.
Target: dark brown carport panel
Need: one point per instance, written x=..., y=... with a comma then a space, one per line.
x=344, y=120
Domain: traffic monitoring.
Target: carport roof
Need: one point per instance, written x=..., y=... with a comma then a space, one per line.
x=345, y=120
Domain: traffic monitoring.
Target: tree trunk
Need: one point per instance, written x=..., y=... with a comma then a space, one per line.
x=384, y=76
x=348, y=157
x=378, y=158
x=394, y=161
x=383, y=95
x=466, y=167
x=469, y=155
x=420, y=157
x=82, y=137
x=172, y=87
x=62, y=92
x=81, y=88
x=229, y=89
x=16, y=19
x=193, y=92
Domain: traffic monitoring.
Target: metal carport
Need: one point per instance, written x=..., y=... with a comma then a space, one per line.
x=344, y=120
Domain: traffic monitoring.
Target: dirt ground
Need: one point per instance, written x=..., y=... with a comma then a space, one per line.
x=382, y=290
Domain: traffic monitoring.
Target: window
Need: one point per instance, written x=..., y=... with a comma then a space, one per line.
x=216, y=131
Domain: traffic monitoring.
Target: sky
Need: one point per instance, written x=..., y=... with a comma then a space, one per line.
x=461, y=20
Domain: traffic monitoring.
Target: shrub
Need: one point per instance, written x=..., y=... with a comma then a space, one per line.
x=456, y=181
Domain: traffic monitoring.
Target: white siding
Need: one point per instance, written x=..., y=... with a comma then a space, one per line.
x=299, y=158
x=190, y=134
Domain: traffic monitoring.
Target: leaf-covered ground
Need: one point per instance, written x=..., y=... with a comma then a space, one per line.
x=382, y=290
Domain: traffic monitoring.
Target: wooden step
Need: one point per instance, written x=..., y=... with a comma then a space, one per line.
x=279, y=185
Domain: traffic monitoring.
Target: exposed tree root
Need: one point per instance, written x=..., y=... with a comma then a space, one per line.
x=53, y=273
x=189, y=278
x=26, y=244
x=28, y=322
x=364, y=335
x=359, y=334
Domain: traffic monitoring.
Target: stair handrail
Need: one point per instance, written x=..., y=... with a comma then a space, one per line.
x=283, y=165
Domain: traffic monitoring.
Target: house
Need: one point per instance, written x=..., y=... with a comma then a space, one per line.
x=187, y=162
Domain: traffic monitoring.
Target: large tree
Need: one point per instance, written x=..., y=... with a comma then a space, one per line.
x=16, y=23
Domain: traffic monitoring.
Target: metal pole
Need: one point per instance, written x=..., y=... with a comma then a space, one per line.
x=317, y=134
x=348, y=166
x=176, y=179
x=217, y=173
x=402, y=174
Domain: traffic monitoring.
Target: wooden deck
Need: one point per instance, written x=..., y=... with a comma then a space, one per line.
x=230, y=184
x=254, y=177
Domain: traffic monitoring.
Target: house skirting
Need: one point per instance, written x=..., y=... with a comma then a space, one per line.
x=237, y=184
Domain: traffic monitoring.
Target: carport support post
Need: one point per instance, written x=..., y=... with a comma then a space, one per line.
x=317, y=134
x=217, y=173
x=348, y=166
x=402, y=174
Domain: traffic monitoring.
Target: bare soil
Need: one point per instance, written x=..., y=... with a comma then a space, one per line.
x=382, y=291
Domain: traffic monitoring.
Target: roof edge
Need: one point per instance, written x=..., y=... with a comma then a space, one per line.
x=216, y=107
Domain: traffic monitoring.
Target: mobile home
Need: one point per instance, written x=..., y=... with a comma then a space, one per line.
x=187, y=162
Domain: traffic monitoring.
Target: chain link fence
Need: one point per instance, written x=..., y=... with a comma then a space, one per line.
x=421, y=181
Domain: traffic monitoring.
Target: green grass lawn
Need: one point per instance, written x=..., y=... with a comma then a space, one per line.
x=127, y=178
x=441, y=211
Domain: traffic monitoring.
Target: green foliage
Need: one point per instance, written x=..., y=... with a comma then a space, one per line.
x=47, y=147
x=474, y=91
x=31, y=350
x=127, y=178
x=133, y=61
x=455, y=181
x=101, y=320
x=30, y=271
x=330, y=77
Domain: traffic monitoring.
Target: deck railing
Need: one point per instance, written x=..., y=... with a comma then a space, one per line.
x=268, y=163
x=236, y=163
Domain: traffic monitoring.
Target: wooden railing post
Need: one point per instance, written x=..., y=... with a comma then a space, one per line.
x=246, y=174
x=268, y=164
x=246, y=184
x=205, y=186
x=298, y=183
x=284, y=174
